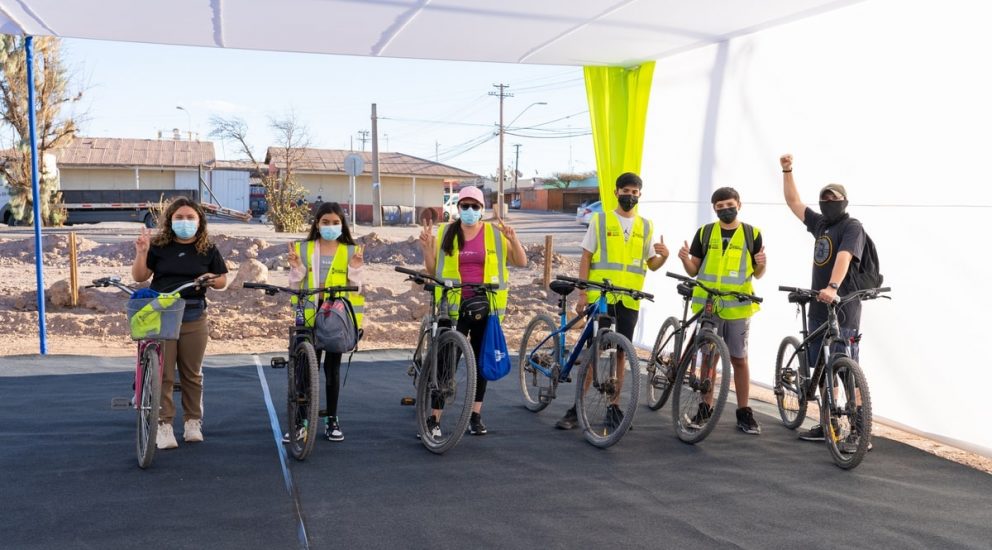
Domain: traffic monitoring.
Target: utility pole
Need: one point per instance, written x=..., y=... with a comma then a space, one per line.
x=364, y=137
x=501, y=94
x=376, y=186
x=516, y=167
x=436, y=146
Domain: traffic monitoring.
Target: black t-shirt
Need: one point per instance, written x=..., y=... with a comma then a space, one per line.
x=845, y=235
x=697, y=250
x=175, y=264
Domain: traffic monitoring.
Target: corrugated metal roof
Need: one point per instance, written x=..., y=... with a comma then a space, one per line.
x=110, y=152
x=233, y=165
x=390, y=164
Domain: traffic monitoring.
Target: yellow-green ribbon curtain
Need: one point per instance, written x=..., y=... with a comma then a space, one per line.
x=618, y=107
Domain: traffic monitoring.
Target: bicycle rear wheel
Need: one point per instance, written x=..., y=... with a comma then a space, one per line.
x=533, y=382
x=791, y=373
x=606, y=392
x=303, y=400
x=702, y=384
x=447, y=384
x=847, y=421
x=149, y=405
x=661, y=367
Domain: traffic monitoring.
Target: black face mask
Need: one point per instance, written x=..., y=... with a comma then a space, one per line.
x=727, y=215
x=627, y=202
x=833, y=211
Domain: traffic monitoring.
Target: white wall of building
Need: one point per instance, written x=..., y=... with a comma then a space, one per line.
x=890, y=99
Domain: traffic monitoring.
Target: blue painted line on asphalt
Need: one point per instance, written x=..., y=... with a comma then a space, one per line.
x=283, y=458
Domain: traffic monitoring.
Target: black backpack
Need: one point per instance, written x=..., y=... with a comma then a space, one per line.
x=865, y=274
x=748, y=237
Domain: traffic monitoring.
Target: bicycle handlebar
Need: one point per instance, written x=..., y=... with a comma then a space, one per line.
x=606, y=286
x=272, y=289
x=422, y=278
x=864, y=294
x=115, y=281
x=743, y=296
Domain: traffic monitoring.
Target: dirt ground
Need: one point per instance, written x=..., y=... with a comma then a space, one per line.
x=248, y=321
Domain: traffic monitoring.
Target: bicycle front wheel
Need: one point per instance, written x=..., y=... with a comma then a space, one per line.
x=303, y=394
x=846, y=419
x=790, y=374
x=445, y=392
x=701, y=388
x=149, y=405
x=537, y=387
x=607, y=389
x=423, y=350
x=662, y=365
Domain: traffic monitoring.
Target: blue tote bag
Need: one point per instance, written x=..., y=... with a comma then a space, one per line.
x=494, y=362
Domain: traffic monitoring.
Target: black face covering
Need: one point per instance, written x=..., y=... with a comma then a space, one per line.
x=727, y=215
x=627, y=202
x=833, y=211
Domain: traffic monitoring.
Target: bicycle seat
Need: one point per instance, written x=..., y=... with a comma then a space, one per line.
x=799, y=298
x=563, y=288
x=685, y=290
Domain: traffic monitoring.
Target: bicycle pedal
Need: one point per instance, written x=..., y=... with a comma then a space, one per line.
x=278, y=363
x=120, y=403
x=545, y=395
x=408, y=401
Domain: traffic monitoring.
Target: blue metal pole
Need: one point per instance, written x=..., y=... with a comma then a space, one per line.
x=36, y=195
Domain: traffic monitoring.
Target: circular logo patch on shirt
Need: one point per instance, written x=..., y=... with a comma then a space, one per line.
x=823, y=250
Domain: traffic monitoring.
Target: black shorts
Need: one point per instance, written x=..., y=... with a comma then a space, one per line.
x=625, y=319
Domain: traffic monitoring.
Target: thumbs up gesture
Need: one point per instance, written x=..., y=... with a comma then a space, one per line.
x=660, y=248
x=684, y=251
x=759, y=258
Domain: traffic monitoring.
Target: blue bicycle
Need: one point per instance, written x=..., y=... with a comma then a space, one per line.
x=607, y=398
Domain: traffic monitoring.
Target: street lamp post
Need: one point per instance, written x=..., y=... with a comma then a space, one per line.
x=189, y=122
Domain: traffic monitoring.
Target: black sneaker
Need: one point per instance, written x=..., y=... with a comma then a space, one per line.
x=332, y=431
x=569, y=421
x=475, y=425
x=746, y=421
x=702, y=415
x=614, y=416
x=816, y=432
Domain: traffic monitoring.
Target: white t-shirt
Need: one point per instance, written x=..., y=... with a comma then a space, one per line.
x=627, y=224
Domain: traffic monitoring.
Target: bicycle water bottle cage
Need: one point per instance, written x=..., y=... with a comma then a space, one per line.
x=562, y=288
x=685, y=290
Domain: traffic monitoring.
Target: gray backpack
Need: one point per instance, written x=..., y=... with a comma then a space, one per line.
x=336, y=329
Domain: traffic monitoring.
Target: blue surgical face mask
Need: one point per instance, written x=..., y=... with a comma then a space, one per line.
x=330, y=232
x=470, y=217
x=185, y=229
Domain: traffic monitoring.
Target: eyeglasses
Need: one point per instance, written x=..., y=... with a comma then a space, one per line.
x=472, y=205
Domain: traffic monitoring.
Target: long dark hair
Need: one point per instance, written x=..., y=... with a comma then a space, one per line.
x=323, y=210
x=165, y=233
x=452, y=233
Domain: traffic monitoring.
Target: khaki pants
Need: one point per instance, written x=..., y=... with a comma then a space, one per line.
x=187, y=354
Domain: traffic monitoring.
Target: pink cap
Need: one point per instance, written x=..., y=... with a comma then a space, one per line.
x=471, y=193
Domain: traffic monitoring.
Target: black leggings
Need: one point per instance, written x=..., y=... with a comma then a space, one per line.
x=474, y=330
x=332, y=380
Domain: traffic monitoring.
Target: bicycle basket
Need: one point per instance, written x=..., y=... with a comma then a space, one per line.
x=155, y=318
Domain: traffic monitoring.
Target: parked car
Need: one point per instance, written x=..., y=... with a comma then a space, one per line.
x=449, y=212
x=584, y=214
x=515, y=204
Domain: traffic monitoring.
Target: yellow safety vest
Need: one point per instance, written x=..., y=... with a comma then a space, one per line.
x=147, y=321
x=624, y=263
x=494, y=271
x=730, y=270
x=336, y=276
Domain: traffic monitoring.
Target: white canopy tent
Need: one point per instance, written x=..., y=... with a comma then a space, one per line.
x=886, y=97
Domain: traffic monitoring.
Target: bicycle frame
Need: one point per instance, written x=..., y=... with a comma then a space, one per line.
x=591, y=329
x=825, y=355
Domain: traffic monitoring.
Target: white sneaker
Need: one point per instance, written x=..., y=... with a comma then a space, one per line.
x=193, y=430
x=165, y=439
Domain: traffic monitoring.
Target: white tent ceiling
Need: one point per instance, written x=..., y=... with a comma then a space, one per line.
x=558, y=32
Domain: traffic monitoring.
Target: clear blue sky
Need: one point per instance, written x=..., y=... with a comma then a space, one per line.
x=132, y=90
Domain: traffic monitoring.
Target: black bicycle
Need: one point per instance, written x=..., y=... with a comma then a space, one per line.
x=303, y=388
x=703, y=367
x=845, y=402
x=443, y=368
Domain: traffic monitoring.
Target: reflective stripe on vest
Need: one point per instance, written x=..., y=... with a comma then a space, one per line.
x=621, y=261
x=494, y=270
x=337, y=275
x=727, y=270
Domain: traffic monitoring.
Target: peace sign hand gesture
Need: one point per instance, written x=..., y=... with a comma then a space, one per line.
x=144, y=241
x=293, y=258
x=507, y=231
x=427, y=235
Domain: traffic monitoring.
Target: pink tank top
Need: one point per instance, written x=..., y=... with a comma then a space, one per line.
x=472, y=261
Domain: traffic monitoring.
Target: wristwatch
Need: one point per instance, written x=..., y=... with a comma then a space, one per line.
x=834, y=286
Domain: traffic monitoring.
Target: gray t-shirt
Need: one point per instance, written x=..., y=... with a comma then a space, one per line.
x=627, y=224
x=325, y=267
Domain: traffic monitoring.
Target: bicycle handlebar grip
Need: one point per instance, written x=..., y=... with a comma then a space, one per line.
x=885, y=289
x=757, y=299
x=567, y=279
x=408, y=271
x=677, y=276
x=255, y=285
x=789, y=289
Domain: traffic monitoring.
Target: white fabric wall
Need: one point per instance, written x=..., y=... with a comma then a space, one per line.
x=892, y=99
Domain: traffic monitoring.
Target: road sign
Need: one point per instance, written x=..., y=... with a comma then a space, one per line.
x=353, y=164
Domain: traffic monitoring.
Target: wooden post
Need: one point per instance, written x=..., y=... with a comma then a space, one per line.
x=548, y=252
x=73, y=271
